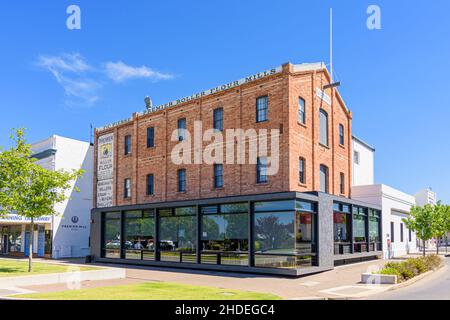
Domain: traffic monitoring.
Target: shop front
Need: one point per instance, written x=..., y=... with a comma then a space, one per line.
x=16, y=234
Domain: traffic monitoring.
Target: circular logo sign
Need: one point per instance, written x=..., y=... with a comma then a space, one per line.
x=74, y=219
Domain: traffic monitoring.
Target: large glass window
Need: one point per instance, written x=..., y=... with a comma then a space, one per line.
x=342, y=228
x=111, y=235
x=374, y=230
x=323, y=124
x=15, y=239
x=139, y=228
x=262, y=109
x=178, y=235
x=359, y=229
x=225, y=234
x=283, y=239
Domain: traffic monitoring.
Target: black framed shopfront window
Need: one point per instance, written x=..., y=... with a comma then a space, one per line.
x=112, y=230
x=375, y=242
x=360, y=229
x=178, y=234
x=224, y=234
x=342, y=225
x=139, y=235
x=284, y=234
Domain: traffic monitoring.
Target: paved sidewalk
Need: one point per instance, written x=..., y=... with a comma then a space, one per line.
x=341, y=283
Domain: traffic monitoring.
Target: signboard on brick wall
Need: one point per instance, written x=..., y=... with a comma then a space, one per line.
x=105, y=170
x=105, y=193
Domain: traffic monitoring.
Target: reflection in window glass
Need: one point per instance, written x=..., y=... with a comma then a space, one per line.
x=359, y=228
x=374, y=229
x=286, y=205
x=275, y=232
x=341, y=227
x=111, y=235
x=178, y=237
x=225, y=239
x=139, y=235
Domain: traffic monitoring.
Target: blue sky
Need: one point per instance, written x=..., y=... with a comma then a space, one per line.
x=55, y=80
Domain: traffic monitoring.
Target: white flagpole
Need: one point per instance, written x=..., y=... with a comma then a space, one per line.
x=331, y=44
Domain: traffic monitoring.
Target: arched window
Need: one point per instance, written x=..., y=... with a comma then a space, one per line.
x=323, y=178
x=323, y=123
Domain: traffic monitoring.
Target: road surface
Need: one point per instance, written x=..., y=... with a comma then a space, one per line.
x=434, y=287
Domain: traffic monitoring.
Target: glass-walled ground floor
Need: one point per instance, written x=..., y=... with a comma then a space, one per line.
x=264, y=232
x=15, y=240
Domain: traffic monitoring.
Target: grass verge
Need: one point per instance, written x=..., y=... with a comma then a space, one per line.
x=152, y=291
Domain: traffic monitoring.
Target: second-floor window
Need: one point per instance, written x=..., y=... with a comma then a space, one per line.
x=342, y=183
x=301, y=173
x=301, y=111
x=150, y=185
x=127, y=188
x=127, y=145
x=261, y=170
x=323, y=178
x=218, y=176
x=323, y=126
x=181, y=129
x=262, y=109
x=182, y=180
x=150, y=137
x=341, y=135
x=218, y=119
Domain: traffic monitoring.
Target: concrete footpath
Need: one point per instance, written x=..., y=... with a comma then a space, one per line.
x=341, y=283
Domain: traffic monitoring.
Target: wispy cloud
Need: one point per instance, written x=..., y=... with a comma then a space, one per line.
x=69, y=71
x=81, y=82
x=119, y=72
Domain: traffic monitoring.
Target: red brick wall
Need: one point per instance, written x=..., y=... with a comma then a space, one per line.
x=296, y=140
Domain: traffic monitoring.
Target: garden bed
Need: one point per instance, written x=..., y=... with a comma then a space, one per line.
x=408, y=269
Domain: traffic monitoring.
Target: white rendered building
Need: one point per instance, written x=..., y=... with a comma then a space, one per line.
x=65, y=235
x=363, y=163
x=398, y=240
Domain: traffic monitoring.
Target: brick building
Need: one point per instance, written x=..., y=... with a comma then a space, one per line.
x=149, y=210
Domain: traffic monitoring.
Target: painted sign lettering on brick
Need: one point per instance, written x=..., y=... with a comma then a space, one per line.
x=105, y=170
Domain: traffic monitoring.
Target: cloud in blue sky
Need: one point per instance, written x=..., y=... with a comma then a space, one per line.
x=81, y=82
x=119, y=72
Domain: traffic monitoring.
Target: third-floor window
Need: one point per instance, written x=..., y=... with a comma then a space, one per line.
x=218, y=119
x=127, y=145
x=181, y=129
x=323, y=127
x=301, y=111
x=150, y=137
x=262, y=109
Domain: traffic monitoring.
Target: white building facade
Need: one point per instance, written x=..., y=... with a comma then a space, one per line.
x=363, y=163
x=67, y=234
x=397, y=239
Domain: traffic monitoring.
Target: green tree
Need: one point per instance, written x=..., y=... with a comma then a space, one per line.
x=26, y=188
x=439, y=223
x=446, y=218
x=420, y=221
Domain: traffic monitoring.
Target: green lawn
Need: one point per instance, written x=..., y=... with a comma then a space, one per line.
x=152, y=291
x=15, y=268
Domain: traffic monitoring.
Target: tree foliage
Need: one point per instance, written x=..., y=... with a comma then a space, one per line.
x=26, y=188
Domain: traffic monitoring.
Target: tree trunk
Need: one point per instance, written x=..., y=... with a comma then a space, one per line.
x=446, y=244
x=424, y=253
x=30, y=247
x=437, y=246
